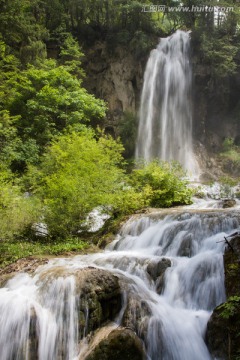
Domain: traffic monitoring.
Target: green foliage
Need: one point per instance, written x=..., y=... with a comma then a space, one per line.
x=71, y=55
x=227, y=180
x=13, y=250
x=128, y=133
x=231, y=307
x=8, y=137
x=228, y=144
x=231, y=157
x=43, y=102
x=141, y=43
x=127, y=200
x=18, y=211
x=22, y=28
x=77, y=174
x=219, y=53
x=162, y=184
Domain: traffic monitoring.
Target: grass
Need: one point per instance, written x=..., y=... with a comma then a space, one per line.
x=232, y=154
x=11, y=251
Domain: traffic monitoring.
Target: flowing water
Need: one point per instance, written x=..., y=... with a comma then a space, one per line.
x=165, y=125
x=40, y=313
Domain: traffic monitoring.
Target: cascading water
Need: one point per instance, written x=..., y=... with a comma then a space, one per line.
x=165, y=125
x=40, y=314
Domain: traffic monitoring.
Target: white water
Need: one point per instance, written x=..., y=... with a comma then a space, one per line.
x=165, y=125
x=46, y=306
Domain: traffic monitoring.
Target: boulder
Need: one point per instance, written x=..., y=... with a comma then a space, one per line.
x=99, y=301
x=158, y=268
x=232, y=266
x=185, y=248
x=98, y=292
x=223, y=326
x=217, y=337
x=100, y=295
x=119, y=344
x=136, y=316
x=228, y=203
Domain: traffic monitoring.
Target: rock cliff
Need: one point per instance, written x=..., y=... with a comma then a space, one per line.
x=223, y=327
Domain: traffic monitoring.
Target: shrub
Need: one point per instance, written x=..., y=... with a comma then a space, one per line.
x=18, y=211
x=78, y=173
x=163, y=184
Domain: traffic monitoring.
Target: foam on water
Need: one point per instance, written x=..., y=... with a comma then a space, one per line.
x=39, y=314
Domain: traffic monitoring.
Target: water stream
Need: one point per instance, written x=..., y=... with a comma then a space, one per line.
x=179, y=304
x=165, y=124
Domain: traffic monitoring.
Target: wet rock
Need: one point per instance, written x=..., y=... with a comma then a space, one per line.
x=217, y=336
x=98, y=299
x=100, y=296
x=186, y=247
x=160, y=284
x=119, y=344
x=157, y=269
x=223, y=326
x=33, y=337
x=207, y=176
x=222, y=334
x=227, y=203
x=98, y=293
x=28, y=265
x=232, y=267
x=136, y=316
x=117, y=79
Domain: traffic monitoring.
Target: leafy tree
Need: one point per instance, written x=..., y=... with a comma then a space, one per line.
x=46, y=100
x=71, y=55
x=8, y=137
x=77, y=174
x=56, y=15
x=220, y=54
x=22, y=28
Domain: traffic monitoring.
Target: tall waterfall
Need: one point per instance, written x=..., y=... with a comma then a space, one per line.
x=45, y=317
x=165, y=125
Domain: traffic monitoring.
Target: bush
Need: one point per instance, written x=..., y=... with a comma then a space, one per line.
x=228, y=144
x=79, y=173
x=18, y=211
x=162, y=184
x=231, y=157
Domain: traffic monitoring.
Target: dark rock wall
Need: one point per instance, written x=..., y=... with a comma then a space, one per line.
x=116, y=77
x=223, y=330
x=216, y=107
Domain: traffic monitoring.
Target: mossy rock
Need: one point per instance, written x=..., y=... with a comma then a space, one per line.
x=120, y=344
x=223, y=329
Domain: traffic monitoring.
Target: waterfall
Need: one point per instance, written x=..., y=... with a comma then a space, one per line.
x=44, y=316
x=165, y=125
